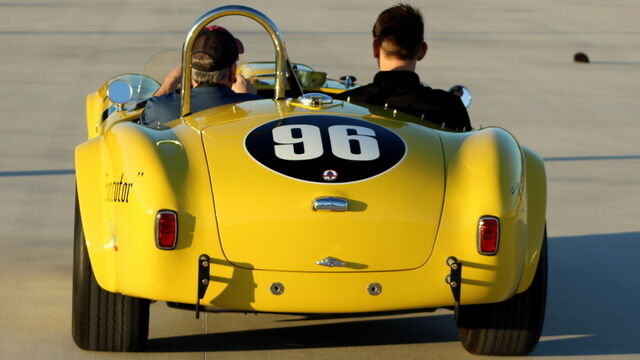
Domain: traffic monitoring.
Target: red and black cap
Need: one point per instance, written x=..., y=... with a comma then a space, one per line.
x=216, y=43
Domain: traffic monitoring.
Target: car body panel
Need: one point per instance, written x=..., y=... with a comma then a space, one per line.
x=161, y=168
x=266, y=218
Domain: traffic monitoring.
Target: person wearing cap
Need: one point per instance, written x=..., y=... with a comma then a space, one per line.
x=214, y=59
x=398, y=44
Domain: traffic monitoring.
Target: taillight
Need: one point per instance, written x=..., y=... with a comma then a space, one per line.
x=166, y=229
x=488, y=235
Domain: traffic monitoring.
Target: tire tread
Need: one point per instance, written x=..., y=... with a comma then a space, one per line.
x=511, y=327
x=102, y=320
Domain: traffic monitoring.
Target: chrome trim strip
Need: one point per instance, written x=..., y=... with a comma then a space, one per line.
x=330, y=203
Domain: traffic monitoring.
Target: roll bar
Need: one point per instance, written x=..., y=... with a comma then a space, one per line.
x=284, y=71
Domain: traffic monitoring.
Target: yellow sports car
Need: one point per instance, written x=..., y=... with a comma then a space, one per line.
x=299, y=203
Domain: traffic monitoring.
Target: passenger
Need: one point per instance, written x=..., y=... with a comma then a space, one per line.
x=398, y=44
x=214, y=63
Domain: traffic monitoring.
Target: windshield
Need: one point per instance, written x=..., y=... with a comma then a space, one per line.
x=161, y=64
x=257, y=72
x=144, y=85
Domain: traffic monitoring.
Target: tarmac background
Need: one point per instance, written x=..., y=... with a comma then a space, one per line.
x=517, y=59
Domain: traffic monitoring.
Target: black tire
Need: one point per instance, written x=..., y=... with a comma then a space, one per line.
x=102, y=320
x=511, y=327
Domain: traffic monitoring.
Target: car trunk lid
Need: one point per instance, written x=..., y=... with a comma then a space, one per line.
x=264, y=203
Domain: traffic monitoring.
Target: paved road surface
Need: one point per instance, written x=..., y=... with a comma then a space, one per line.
x=515, y=56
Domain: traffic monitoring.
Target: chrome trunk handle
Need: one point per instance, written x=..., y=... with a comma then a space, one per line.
x=330, y=203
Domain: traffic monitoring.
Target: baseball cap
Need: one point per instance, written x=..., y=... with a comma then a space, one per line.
x=219, y=45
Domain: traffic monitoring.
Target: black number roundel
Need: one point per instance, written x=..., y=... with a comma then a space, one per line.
x=325, y=148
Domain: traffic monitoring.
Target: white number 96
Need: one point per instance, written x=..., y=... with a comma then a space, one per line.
x=311, y=139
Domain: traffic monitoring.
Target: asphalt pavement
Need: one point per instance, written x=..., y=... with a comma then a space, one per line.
x=517, y=59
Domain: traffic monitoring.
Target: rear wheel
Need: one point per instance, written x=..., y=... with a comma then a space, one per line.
x=102, y=320
x=511, y=327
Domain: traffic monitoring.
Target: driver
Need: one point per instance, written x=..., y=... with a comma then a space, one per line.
x=213, y=68
x=398, y=44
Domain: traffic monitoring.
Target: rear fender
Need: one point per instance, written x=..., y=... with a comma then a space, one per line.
x=152, y=170
x=485, y=176
x=91, y=159
x=536, y=205
x=96, y=103
x=123, y=179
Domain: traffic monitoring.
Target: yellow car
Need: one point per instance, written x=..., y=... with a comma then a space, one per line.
x=302, y=204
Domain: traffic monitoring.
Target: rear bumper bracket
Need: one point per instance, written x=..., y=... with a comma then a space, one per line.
x=455, y=281
x=203, y=280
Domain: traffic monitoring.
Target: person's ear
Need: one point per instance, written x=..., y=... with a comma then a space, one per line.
x=232, y=73
x=376, y=48
x=423, y=51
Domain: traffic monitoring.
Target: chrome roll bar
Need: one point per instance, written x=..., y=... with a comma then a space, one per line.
x=283, y=67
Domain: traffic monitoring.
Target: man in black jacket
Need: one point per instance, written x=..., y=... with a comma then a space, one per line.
x=398, y=44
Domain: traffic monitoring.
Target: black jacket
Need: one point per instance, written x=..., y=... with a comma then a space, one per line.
x=403, y=91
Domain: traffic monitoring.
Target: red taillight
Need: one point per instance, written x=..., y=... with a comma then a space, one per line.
x=166, y=230
x=488, y=235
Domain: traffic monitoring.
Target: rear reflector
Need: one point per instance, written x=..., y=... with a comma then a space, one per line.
x=488, y=235
x=166, y=229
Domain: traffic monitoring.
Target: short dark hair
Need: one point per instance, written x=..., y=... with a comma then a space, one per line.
x=400, y=31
